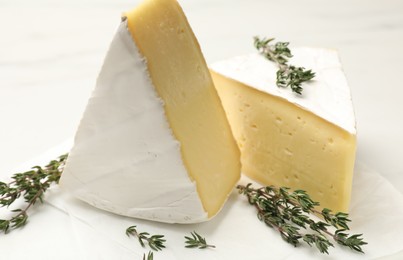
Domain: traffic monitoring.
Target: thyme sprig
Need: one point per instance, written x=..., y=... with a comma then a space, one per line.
x=288, y=212
x=31, y=186
x=287, y=75
x=196, y=241
x=155, y=242
x=150, y=256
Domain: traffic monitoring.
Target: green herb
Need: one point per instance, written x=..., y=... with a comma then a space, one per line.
x=31, y=186
x=150, y=256
x=287, y=75
x=196, y=241
x=289, y=212
x=156, y=242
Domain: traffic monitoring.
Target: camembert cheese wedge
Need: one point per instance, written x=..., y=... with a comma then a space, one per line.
x=154, y=142
x=303, y=142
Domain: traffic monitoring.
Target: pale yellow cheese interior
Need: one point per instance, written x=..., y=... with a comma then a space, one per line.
x=284, y=145
x=179, y=72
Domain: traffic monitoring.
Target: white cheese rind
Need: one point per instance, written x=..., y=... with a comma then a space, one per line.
x=328, y=95
x=125, y=158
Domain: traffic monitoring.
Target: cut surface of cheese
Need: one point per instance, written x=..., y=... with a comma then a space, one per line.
x=154, y=142
x=303, y=142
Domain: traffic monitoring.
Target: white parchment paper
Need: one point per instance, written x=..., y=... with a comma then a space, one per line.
x=376, y=210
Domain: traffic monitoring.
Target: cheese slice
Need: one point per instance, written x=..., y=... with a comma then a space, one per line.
x=303, y=142
x=154, y=141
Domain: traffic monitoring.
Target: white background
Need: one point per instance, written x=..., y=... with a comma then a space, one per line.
x=51, y=52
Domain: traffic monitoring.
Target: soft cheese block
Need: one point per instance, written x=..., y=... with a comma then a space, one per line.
x=303, y=141
x=154, y=141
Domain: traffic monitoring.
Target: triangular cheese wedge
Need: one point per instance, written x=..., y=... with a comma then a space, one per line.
x=154, y=141
x=299, y=141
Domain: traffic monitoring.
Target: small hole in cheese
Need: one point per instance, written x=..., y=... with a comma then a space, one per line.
x=288, y=152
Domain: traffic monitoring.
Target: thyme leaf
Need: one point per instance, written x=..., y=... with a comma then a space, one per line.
x=150, y=256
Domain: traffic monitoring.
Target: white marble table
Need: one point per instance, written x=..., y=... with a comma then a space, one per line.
x=51, y=52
